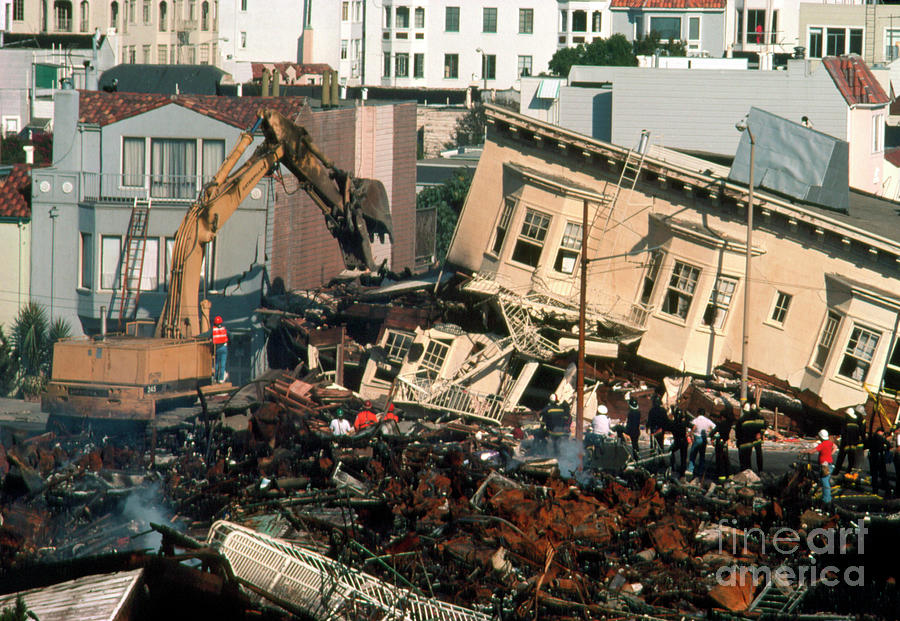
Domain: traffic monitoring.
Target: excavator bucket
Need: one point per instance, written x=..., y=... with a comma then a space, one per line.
x=355, y=210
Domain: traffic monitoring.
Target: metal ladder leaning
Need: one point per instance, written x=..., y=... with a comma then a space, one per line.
x=631, y=170
x=125, y=300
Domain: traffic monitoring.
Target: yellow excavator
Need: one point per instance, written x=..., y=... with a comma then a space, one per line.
x=130, y=378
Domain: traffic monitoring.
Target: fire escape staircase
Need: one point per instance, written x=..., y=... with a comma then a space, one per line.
x=125, y=300
x=775, y=600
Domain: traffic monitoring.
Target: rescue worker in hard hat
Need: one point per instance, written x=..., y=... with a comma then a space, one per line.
x=365, y=417
x=220, y=345
x=825, y=450
x=879, y=452
x=556, y=419
x=852, y=442
x=750, y=427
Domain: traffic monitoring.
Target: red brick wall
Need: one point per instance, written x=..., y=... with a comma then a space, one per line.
x=403, y=198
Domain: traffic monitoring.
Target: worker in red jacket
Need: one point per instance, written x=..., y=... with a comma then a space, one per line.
x=389, y=414
x=365, y=418
x=220, y=344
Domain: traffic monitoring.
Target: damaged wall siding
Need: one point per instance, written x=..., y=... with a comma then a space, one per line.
x=701, y=244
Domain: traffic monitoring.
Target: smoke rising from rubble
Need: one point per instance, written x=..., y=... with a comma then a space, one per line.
x=144, y=506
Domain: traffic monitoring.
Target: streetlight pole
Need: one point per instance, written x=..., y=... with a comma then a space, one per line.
x=582, y=303
x=54, y=214
x=744, y=126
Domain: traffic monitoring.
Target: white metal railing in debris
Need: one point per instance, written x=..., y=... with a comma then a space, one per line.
x=441, y=394
x=322, y=586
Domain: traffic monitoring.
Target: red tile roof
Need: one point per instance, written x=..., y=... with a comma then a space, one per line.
x=667, y=4
x=854, y=80
x=15, y=191
x=103, y=108
x=297, y=69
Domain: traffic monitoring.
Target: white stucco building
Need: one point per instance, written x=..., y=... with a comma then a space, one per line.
x=445, y=43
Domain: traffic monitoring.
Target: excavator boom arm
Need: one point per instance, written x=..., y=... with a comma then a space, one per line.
x=355, y=211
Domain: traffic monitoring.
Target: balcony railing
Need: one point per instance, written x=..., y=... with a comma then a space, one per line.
x=108, y=187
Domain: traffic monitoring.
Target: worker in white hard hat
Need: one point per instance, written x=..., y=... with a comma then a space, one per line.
x=600, y=425
x=852, y=441
x=825, y=450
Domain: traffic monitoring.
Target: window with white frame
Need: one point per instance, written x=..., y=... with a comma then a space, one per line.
x=891, y=380
x=86, y=267
x=110, y=254
x=173, y=167
x=387, y=16
x=10, y=125
x=693, y=33
x=396, y=344
x=877, y=133
x=433, y=359
x=826, y=340
x=814, y=42
x=569, y=249
x=244, y=5
x=859, y=353
x=133, y=162
x=163, y=18
x=387, y=65
x=204, y=53
x=891, y=44
x=596, y=21
x=145, y=12
x=719, y=302
x=18, y=10
x=145, y=54
x=780, y=308
x=649, y=283
x=344, y=46
x=212, y=157
x=531, y=238
x=668, y=28
x=524, y=66
x=345, y=11
x=150, y=265
x=243, y=37
x=834, y=41
x=509, y=206
x=162, y=54
x=563, y=21
x=419, y=17
x=357, y=10
x=680, y=294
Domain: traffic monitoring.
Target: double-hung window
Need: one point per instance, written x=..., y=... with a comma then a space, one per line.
x=680, y=294
x=569, y=249
x=826, y=340
x=531, y=238
x=489, y=19
x=451, y=19
x=526, y=21
x=858, y=354
x=780, y=309
x=433, y=359
x=719, y=302
x=173, y=168
x=133, y=166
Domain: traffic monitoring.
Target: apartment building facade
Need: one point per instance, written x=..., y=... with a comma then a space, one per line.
x=667, y=261
x=149, y=31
